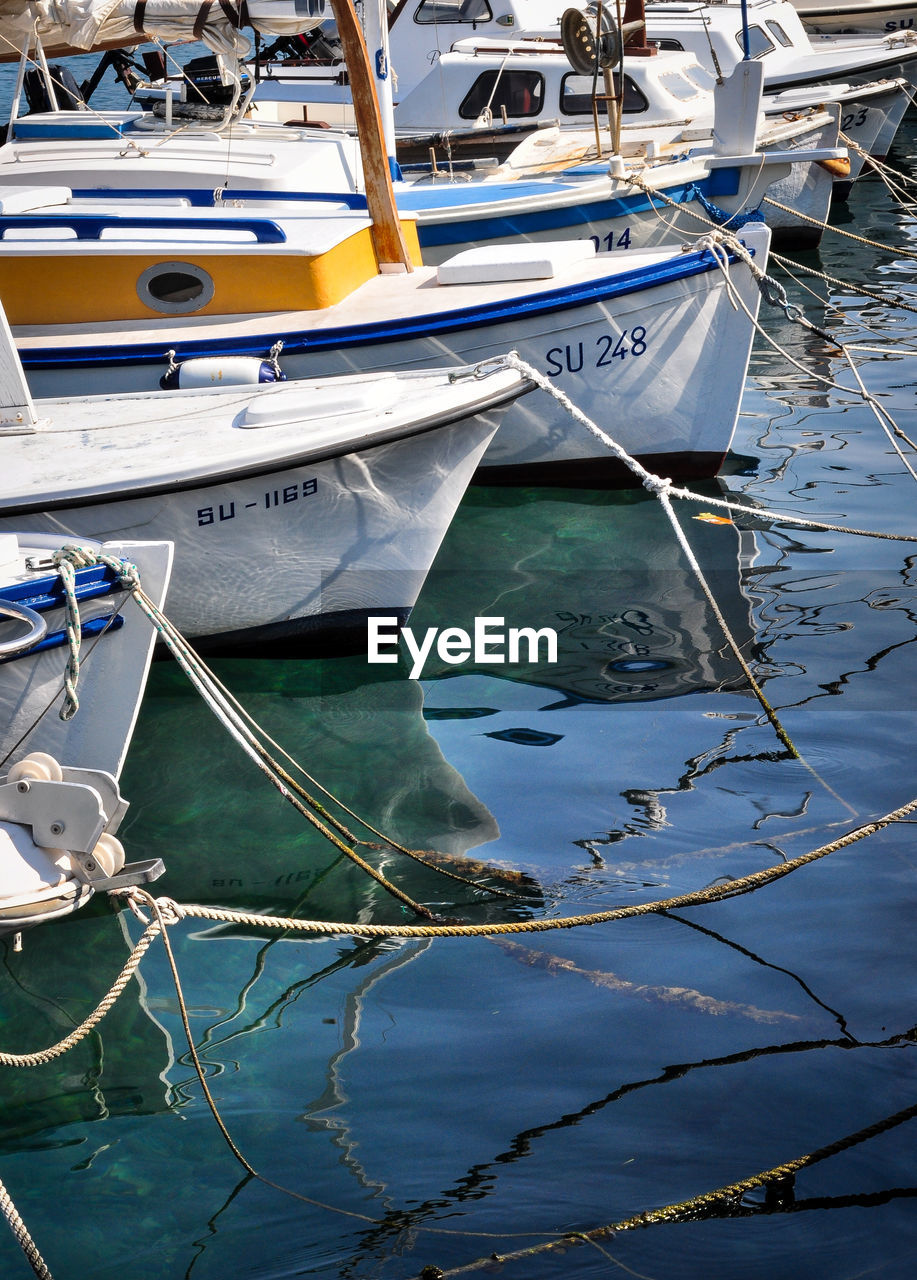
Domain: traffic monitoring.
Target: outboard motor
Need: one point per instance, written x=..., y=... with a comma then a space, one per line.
x=66, y=90
x=205, y=83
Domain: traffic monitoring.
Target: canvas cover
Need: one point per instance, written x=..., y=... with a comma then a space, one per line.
x=76, y=26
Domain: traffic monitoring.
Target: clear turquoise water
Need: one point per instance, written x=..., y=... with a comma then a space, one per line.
x=432, y=1103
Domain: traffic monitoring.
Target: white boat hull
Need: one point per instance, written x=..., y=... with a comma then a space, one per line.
x=265, y=549
x=66, y=769
x=112, y=671
x=873, y=16
x=650, y=347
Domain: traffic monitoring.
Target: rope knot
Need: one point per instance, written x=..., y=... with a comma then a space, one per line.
x=168, y=910
x=74, y=555
x=659, y=486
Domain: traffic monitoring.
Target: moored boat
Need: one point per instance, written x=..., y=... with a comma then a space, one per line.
x=296, y=509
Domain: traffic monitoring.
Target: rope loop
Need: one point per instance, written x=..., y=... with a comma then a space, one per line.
x=659, y=486
x=67, y=560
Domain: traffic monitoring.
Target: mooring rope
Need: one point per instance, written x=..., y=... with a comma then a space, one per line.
x=775, y=295
x=681, y=1211
x=168, y=912
x=892, y=179
x=40, y=1057
x=735, y=887
x=895, y=300
x=838, y=231
x=234, y=721
x=718, y=243
x=324, y=812
x=660, y=487
x=21, y=1233
x=67, y=573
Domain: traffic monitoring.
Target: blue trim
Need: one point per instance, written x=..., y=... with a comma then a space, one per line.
x=401, y=329
x=90, y=227
x=202, y=198
x=42, y=594
x=57, y=639
x=720, y=183
x=437, y=234
x=24, y=131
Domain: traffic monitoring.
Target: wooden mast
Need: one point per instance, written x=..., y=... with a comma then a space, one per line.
x=388, y=240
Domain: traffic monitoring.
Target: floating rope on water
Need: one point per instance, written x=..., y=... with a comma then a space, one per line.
x=164, y=913
x=706, y=1204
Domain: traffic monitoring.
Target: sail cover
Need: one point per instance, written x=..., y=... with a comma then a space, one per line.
x=75, y=26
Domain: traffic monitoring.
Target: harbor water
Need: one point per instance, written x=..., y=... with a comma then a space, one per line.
x=462, y=1104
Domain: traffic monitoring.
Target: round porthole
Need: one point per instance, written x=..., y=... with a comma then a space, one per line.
x=175, y=288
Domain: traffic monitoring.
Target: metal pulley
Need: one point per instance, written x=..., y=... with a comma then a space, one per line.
x=592, y=39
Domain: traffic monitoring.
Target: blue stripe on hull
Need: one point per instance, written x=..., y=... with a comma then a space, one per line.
x=397, y=330
x=436, y=234
x=716, y=185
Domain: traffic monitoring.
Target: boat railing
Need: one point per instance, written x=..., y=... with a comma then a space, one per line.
x=87, y=226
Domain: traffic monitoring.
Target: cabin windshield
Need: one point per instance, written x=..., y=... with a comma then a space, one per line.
x=758, y=42
x=453, y=11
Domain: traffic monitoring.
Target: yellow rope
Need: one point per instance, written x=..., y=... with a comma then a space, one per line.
x=168, y=911
x=700, y=897
x=689, y=1209
x=42, y=1056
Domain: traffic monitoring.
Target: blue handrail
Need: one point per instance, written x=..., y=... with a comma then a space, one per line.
x=90, y=226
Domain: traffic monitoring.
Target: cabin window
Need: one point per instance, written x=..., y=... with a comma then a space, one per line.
x=450, y=11
x=778, y=33
x=518, y=93
x=175, y=288
x=576, y=95
x=667, y=42
x=758, y=43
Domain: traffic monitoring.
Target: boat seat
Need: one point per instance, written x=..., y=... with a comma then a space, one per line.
x=488, y=264
x=29, y=199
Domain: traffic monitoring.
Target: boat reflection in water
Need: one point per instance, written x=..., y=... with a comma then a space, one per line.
x=633, y=627
x=605, y=572
x=236, y=844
